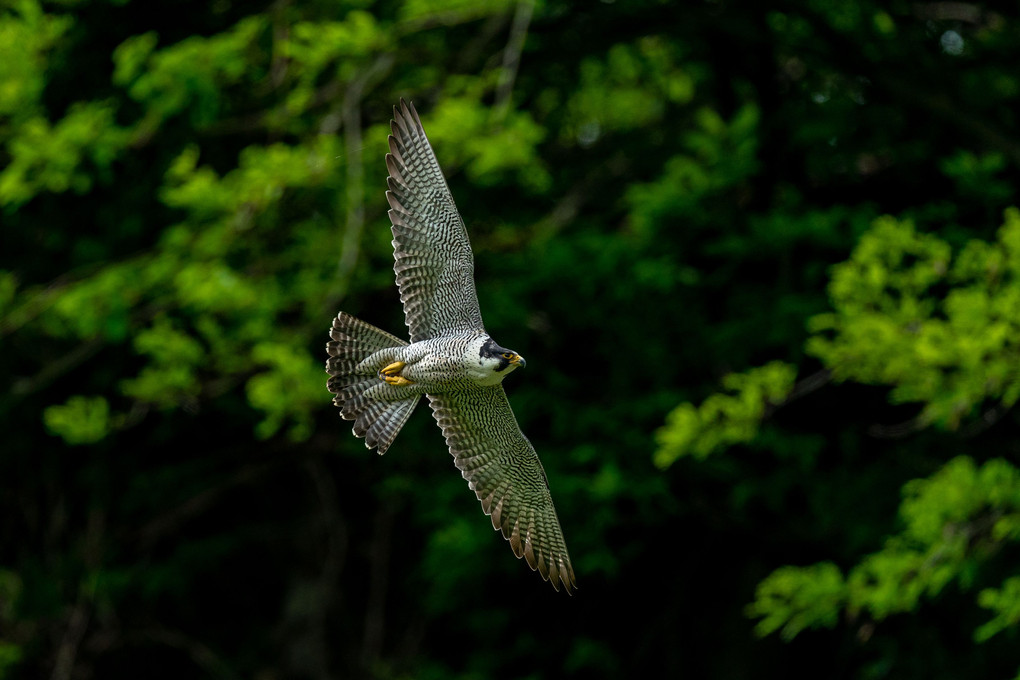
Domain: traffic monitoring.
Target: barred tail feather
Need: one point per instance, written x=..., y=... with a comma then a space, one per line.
x=354, y=341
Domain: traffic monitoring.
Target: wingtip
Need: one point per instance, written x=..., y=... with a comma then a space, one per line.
x=402, y=114
x=569, y=583
x=405, y=119
x=558, y=572
x=562, y=576
x=413, y=112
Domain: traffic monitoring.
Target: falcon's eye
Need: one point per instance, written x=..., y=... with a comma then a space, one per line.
x=507, y=355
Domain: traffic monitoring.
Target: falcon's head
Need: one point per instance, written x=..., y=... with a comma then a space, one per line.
x=499, y=360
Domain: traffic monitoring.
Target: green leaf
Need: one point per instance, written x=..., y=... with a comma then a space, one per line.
x=792, y=599
x=941, y=332
x=1004, y=603
x=724, y=419
x=81, y=420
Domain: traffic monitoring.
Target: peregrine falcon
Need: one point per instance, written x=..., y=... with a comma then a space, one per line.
x=378, y=378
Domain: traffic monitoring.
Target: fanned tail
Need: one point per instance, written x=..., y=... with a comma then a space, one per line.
x=354, y=341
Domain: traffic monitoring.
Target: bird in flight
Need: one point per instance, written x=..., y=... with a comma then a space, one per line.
x=378, y=379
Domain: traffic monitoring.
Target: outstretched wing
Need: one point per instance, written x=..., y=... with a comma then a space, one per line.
x=433, y=260
x=503, y=470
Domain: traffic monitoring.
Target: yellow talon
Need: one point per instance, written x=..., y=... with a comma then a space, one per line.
x=393, y=368
x=397, y=380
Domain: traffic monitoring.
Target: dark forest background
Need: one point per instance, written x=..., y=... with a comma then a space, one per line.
x=761, y=259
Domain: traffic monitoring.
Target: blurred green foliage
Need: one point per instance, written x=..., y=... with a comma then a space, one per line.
x=724, y=420
x=941, y=331
x=763, y=261
x=952, y=523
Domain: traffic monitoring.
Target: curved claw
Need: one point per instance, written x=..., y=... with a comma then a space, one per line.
x=393, y=368
x=389, y=374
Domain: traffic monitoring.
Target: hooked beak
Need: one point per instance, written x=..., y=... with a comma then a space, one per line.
x=518, y=360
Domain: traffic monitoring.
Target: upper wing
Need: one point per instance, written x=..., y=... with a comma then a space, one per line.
x=503, y=470
x=433, y=260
